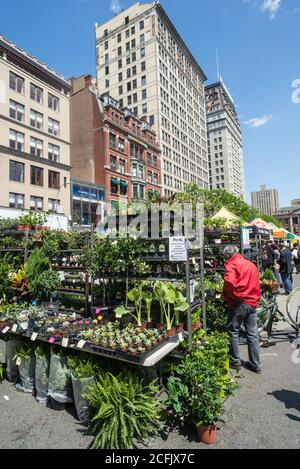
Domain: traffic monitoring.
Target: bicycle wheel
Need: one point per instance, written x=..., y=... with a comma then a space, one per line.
x=293, y=307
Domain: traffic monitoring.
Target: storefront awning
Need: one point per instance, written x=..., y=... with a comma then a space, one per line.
x=115, y=181
x=124, y=184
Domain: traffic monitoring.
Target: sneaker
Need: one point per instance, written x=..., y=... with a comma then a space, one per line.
x=235, y=366
x=253, y=368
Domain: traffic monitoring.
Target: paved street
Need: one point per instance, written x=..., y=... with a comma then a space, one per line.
x=265, y=412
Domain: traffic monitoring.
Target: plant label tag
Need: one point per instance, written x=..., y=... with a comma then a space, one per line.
x=18, y=362
x=14, y=328
x=81, y=344
x=193, y=261
x=51, y=340
x=218, y=296
x=98, y=311
x=180, y=336
x=5, y=330
x=118, y=316
x=34, y=336
x=65, y=342
x=218, y=241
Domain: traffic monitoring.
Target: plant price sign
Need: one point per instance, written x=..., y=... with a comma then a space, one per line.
x=178, y=249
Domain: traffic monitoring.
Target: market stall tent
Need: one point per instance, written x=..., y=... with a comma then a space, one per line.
x=225, y=214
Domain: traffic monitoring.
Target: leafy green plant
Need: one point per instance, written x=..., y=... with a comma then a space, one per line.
x=82, y=368
x=42, y=281
x=24, y=353
x=124, y=409
x=33, y=218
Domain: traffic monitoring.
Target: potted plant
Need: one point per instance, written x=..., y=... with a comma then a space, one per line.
x=166, y=295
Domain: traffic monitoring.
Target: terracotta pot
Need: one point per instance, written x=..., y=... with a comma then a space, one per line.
x=207, y=434
x=143, y=327
x=149, y=325
x=179, y=328
x=23, y=227
x=171, y=332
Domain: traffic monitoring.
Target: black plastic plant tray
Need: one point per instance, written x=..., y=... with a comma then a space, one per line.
x=123, y=355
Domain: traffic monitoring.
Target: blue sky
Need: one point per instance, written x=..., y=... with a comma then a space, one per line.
x=259, y=49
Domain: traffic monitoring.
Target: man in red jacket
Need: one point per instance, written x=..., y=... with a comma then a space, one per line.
x=242, y=294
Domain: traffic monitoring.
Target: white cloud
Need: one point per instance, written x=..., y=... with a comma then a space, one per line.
x=271, y=6
x=115, y=6
x=259, y=121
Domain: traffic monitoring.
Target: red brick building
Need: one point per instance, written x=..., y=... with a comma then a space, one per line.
x=111, y=147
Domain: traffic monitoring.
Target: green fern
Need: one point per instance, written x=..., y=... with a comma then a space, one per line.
x=124, y=409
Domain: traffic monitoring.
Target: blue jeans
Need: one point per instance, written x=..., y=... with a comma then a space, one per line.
x=287, y=282
x=247, y=315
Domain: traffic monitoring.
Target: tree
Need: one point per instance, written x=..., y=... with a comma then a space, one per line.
x=271, y=219
x=215, y=199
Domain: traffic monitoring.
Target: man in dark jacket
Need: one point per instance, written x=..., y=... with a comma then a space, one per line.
x=270, y=256
x=242, y=294
x=286, y=268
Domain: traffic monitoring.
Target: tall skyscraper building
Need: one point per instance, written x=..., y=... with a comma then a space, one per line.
x=225, y=148
x=144, y=63
x=34, y=136
x=266, y=201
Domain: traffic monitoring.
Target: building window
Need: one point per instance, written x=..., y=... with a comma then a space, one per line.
x=143, y=66
x=128, y=60
x=114, y=186
x=16, y=171
x=135, y=98
x=149, y=159
x=134, y=170
x=144, y=94
x=129, y=86
x=113, y=163
x=127, y=34
x=120, y=89
x=136, y=111
x=123, y=188
x=155, y=161
x=36, y=176
x=142, y=39
x=133, y=43
x=129, y=100
x=135, y=191
x=133, y=57
x=53, y=102
x=120, y=64
x=142, y=192
x=134, y=70
x=120, y=76
x=128, y=73
x=16, y=140
x=16, y=83
x=36, y=147
x=141, y=172
x=36, y=93
x=121, y=102
x=151, y=120
x=120, y=50
x=53, y=127
x=16, y=111
x=144, y=81
x=149, y=177
x=119, y=37
x=122, y=166
x=53, y=152
x=112, y=141
x=36, y=119
x=106, y=58
x=106, y=70
x=143, y=52
x=106, y=45
x=156, y=179
x=144, y=108
x=53, y=205
x=134, y=84
x=16, y=200
x=106, y=83
x=53, y=180
x=36, y=203
x=127, y=46
x=122, y=145
x=142, y=25
x=127, y=20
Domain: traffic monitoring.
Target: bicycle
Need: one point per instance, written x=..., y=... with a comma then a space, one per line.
x=268, y=314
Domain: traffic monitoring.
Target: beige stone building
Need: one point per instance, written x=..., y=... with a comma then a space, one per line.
x=144, y=63
x=34, y=136
x=266, y=201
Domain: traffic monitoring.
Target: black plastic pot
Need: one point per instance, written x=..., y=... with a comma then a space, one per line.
x=55, y=405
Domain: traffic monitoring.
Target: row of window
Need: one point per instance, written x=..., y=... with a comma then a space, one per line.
x=17, y=142
x=129, y=31
x=17, y=174
x=133, y=59
x=17, y=112
x=133, y=85
x=17, y=83
x=36, y=203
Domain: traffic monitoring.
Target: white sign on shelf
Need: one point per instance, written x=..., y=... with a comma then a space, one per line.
x=81, y=344
x=34, y=336
x=178, y=249
x=5, y=330
x=14, y=328
x=65, y=342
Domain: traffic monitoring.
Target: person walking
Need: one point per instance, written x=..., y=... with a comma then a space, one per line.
x=277, y=265
x=286, y=268
x=242, y=294
x=296, y=259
